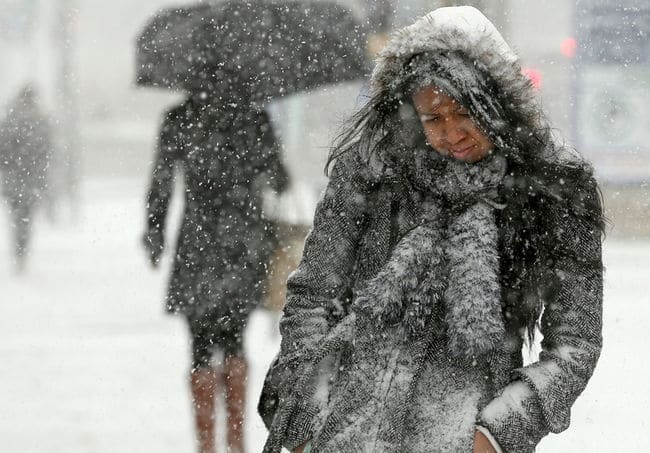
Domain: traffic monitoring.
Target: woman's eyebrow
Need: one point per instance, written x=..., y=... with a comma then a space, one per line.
x=429, y=109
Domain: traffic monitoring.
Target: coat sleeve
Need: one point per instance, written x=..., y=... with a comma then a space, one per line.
x=539, y=398
x=268, y=160
x=313, y=290
x=162, y=177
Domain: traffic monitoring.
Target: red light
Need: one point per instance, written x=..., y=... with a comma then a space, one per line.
x=569, y=47
x=534, y=75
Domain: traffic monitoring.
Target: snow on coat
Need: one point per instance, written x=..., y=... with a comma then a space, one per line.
x=388, y=392
x=227, y=156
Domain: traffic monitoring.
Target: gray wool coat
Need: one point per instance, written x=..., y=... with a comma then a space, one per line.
x=382, y=393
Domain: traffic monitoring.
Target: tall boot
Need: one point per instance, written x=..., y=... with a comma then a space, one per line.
x=204, y=382
x=235, y=372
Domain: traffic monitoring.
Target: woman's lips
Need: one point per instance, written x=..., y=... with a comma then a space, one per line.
x=462, y=152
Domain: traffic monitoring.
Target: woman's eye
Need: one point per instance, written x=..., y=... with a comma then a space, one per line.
x=428, y=118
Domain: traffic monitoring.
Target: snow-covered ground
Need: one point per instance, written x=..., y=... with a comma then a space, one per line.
x=89, y=362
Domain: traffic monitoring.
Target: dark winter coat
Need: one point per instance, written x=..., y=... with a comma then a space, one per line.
x=25, y=151
x=550, y=256
x=227, y=157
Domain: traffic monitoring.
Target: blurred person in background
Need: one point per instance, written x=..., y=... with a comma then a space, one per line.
x=226, y=150
x=25, y=151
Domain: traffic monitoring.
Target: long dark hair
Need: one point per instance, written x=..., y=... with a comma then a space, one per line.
x=545, y=176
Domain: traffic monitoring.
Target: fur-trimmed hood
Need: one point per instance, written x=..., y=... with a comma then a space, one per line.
x=461, y=28
x=459, y=50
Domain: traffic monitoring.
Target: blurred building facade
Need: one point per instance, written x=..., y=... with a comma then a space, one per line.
x=81, y=54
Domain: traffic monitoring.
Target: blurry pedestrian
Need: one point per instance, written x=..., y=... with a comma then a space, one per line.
x=453, y=220
x=25, y=150
x=226, y=150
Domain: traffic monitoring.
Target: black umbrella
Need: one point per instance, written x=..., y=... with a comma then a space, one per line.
x=273, y=48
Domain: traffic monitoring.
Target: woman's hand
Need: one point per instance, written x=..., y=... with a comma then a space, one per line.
x=482, y=444
x=154, y=243
x=301, y=449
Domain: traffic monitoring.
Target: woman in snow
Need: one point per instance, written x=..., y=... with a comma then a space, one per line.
x=228, y=154
x=454, y=223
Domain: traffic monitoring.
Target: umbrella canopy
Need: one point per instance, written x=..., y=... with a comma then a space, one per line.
x=272, y=49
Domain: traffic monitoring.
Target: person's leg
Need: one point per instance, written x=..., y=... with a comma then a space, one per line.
x=235, y=381
x=204, y=382
x=20, y=228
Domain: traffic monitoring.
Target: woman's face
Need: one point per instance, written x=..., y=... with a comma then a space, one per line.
x=448, y=127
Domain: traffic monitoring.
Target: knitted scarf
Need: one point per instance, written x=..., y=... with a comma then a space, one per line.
x=450, y=258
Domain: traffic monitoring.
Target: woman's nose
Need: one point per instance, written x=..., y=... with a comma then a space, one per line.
x=454, y=132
